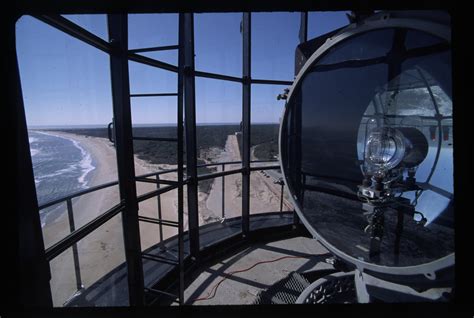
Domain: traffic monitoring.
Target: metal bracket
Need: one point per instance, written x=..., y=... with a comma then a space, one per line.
x=284, y=95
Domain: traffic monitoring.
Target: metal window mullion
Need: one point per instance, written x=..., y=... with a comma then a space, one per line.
x=152, y=62
x=218, y=76
x=154, y=95
x=74, y=30
x=303, y=37
x=218, y=174
x=190, y=131
x=75, y=254
x=303, y=34
x=154, y=49
x=117, y=24
x=160, y=216
x=223, y=193
x=180, y=158
x=246, y=89
x=271, y=82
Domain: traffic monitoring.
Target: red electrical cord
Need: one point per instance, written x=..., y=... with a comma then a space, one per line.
x=214, y=288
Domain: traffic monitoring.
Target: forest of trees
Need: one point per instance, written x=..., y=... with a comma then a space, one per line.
x=264, y=137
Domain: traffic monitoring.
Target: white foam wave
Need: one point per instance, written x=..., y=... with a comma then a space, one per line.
x=71, y=168
x=85, y=164
x=34, y=151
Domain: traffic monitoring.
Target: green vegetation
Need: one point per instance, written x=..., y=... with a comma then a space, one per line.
x=264, y=138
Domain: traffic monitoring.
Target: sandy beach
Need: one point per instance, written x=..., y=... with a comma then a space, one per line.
x=264, y=194
x=103, y=250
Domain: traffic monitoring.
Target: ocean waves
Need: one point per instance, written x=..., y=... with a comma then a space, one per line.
x=61, y=166
x=81, y=164
x=85, y=164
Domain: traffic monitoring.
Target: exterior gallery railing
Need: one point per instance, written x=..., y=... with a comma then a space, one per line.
x=77, y=234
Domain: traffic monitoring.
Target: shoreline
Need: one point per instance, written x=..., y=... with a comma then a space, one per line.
x=103, y=249
x=87, y=178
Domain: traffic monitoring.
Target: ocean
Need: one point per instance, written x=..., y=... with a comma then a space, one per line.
x=61, y=166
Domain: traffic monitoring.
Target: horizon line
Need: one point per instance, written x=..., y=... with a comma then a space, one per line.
x=135, y=125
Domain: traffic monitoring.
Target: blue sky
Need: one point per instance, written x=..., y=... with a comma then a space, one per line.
x=67, y=82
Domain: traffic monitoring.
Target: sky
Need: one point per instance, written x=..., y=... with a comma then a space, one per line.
x=67, y=82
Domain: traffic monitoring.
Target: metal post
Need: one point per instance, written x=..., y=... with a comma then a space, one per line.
x=281, y=196
x=158, y=201
x=118, y=36
x=180, y=158
x=190, y=122
x=303, y=35
x=75, y=255
x=223, y=189
x=246, y=86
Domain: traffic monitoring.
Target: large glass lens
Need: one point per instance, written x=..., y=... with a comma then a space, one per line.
x=379, y=99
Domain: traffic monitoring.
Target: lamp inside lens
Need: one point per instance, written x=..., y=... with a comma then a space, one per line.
x=385, y=149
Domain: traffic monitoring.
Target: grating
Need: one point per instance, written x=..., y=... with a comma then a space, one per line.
x=286, y=291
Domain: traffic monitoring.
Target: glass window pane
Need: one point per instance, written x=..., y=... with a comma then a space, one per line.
x=218, y=116
x=223, y=202
x=150, y=233
x=145, y=79
x=274, y=40
x=211, y=207
x=266, y=111
x=68, y=104
x=167, y=56
x=54, y=223
x=159, y=112
x=266, y=192
x=152, y=30
x=218, y=43
x=99, y=254
x=94, y=23
x=320, y=23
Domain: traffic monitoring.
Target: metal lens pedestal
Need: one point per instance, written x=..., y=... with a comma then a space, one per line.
x=360, y=287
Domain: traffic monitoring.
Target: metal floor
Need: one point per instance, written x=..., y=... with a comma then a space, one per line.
x=242, y=276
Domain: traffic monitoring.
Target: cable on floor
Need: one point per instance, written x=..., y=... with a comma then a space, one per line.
x=214, y=288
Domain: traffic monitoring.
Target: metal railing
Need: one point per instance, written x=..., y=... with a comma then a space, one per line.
x=77, y=234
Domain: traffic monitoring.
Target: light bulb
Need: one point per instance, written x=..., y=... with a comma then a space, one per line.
x=385, y=149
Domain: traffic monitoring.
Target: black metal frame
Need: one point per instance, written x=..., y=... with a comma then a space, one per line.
x=118, y=35
x=181, y=181
x=120, y=55
x=69, y=27
x=190, y=131
x=246, y=95
x=25, y=266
